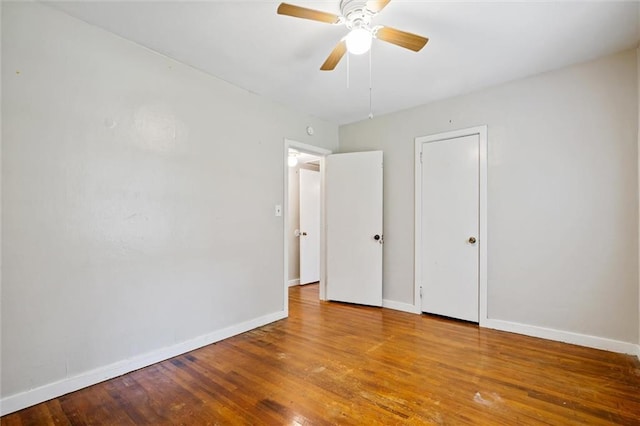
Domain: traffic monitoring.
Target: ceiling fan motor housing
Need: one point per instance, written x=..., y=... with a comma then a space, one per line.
x=356, y=14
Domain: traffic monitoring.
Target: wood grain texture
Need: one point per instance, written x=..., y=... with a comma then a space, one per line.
x=401, y=38
x=332, y=363
x=377, y=5
x=305, y=13
x=334, y=57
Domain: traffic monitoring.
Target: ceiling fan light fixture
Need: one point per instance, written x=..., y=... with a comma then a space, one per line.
x=359, y=41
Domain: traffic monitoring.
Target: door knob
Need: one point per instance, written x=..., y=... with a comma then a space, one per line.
x=376, y=237
x=472, y=240
x=304, y=234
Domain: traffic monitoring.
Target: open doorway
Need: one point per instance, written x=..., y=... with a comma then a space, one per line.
x=304, y=216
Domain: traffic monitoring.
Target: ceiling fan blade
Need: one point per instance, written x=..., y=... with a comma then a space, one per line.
x=377, y=5
x=303, y=12
x=401, y=38
x=334, y=57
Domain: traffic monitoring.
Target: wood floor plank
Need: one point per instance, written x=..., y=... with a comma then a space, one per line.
x=335, y=363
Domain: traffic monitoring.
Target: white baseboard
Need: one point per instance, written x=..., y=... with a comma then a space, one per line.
x=535, y=331
x=294, y=282
x=400, y=306
x=53, y=390
x=563, y=336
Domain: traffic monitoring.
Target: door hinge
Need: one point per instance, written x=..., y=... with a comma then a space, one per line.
x=420, y=292
x=420, y=157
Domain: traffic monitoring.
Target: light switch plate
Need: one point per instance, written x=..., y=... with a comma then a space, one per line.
x=278, y=210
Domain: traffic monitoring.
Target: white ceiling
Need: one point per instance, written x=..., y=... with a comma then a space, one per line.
x=472, y=45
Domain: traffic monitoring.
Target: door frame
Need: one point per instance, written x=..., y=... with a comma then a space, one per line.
x=322, y=153
x=481, y=131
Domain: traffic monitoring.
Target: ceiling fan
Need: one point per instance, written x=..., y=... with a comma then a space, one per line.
x=357, y=16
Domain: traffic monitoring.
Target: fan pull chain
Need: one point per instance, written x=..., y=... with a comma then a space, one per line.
x=348, y=55
x=370, y=86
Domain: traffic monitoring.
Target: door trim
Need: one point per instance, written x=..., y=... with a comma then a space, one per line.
x=481, y=131
x=322, y=153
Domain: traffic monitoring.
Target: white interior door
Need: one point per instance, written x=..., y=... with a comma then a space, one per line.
x=450, y=227
x=309, y=226
x=354, y=227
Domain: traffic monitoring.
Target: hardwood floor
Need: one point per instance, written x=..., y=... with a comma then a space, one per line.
x=332, y=363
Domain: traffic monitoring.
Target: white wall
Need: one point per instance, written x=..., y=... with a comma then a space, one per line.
x=1, y=273
x=138, y=201
x=562, y=194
